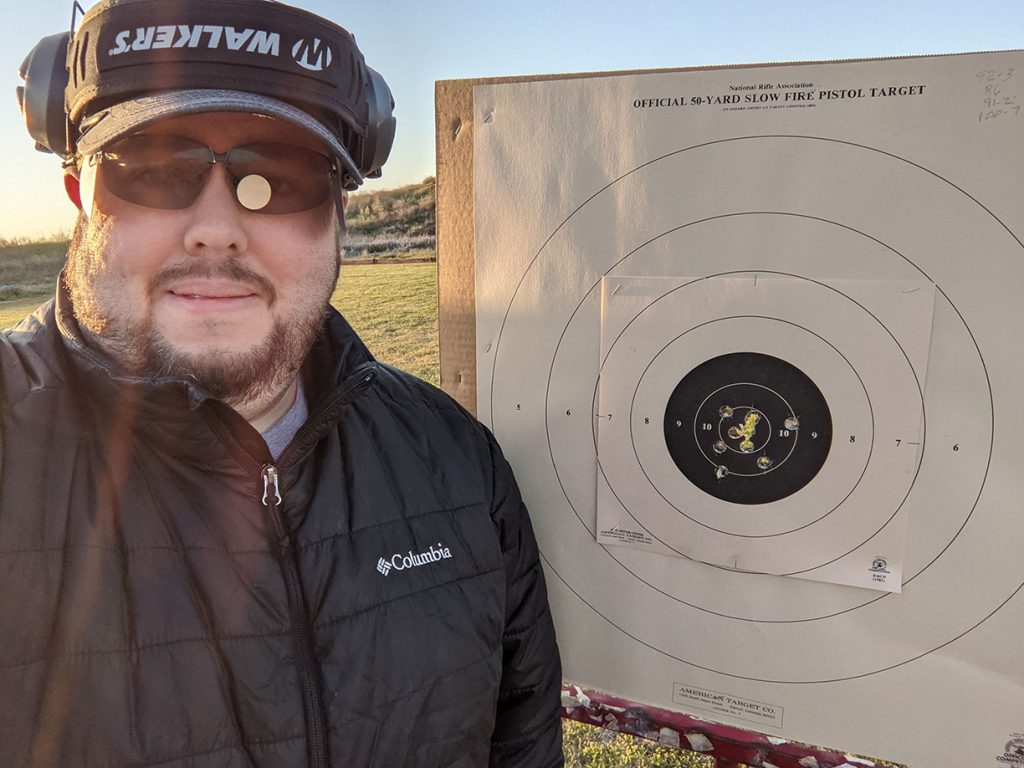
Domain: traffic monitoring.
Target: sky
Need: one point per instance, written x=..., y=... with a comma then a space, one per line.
x=415, y=43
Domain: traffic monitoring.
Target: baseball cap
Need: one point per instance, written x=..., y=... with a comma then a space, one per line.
x=132, y=63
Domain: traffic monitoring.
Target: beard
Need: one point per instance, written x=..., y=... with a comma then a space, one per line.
x=250, y=377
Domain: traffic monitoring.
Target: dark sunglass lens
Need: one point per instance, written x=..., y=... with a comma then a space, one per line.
x=168, y=172
x=156, y=171
x=300, y=178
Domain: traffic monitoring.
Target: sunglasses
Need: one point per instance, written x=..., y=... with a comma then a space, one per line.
x=169, y=172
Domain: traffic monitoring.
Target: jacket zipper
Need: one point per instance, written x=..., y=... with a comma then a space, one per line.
x=301, y=629
x=314, y=420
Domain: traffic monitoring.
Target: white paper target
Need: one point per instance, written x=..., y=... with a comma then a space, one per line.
x=821, y=500
x=630, y=236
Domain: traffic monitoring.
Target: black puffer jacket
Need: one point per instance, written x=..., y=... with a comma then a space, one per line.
x=158, y=607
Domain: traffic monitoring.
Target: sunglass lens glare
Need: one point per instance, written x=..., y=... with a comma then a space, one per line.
x=299, y=178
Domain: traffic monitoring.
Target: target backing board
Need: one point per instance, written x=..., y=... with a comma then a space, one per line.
x=751, y=339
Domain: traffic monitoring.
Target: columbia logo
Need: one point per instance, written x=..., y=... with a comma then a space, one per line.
x=400, y=562
x=315, y=56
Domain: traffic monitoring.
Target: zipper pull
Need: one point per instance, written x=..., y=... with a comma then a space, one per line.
x=272, y=500
x=270, y=484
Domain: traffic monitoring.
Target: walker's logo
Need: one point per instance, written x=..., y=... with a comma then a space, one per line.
x=400, y=562
x=196, y=36
x=1013, y=754
x=315, y=55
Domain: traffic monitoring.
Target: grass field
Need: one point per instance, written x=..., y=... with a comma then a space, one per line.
x=28, y=269
x=589, y=747
x=13, y=310
x=393, y=307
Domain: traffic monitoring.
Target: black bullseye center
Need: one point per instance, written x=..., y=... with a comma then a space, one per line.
x=748, y=428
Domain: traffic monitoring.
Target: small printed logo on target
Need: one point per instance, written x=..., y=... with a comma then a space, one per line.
x=879, y=570
x=1013, y=753
x=400, y=562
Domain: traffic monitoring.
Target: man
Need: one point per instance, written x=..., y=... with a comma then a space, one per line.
x=228, y=536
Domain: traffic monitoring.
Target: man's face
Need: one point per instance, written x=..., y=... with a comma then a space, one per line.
x=229, y=296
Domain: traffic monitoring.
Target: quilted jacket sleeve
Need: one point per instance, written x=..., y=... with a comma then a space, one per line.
x=528, y=728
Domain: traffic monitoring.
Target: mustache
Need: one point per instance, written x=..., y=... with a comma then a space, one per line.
x=225, y=269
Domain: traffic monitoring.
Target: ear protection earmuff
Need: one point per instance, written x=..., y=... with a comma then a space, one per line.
x=380, y=124
x=41, y=98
